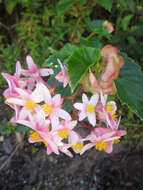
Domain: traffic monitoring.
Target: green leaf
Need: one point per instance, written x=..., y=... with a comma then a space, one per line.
x=79, y=63
x=63, y=6
x=91, y=42
x=63, y=54
x=10, y=5
x=107, y=4
x=132, y=5
x=130, y=86
x=126, y=21
x=123, y=4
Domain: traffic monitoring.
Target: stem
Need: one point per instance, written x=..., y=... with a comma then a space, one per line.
x=76, y=94
x=85, y=125
x=54, y=85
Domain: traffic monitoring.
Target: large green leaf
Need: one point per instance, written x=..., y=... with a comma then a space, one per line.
x=62, y=54
x=107, y=4
x=130, y=86
x=79, y=63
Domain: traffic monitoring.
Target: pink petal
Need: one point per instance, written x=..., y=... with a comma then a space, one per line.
x=18, y=69
x=54, y=121
x=46, y=94
x=31, y=65
x=22, y=93
x=86, y=147
x=26, y=123
x=73, y=137
x=56, y=100
x=109, y=147
x=23, y=113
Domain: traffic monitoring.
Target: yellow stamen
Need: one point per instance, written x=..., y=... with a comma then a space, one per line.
x=47, y=109
x=46, y=144
x=77, y=147
x=101, y=146
x=29, y=105
x=10, y=104
x=109, y=108
x=116, y=141
x=90, y=108
x=63, y=134
x=114, y=116
x=35, y=136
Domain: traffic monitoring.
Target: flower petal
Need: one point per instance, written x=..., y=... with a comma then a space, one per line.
x=82, y=115
x=85, y=99
x=78, y=106
x=86, y=147
x=94, y=99
x=92, y=118
x=63, y=114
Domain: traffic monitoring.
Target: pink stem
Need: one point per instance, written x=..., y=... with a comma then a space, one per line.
x=55, y=84
x=85, y=125
x=76, y=94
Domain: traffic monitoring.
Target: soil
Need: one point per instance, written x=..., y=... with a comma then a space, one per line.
x=31, y=169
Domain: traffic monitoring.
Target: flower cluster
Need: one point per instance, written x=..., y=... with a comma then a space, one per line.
x=38, y=107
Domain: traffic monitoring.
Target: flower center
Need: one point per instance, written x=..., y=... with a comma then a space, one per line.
x=47, y=109
x=35, y=136
x=114, y=116
x=101, y=146
x=90, y=108
x=63, y=134
x=77, y=147
x=29, y=105
x=109, y=108
x=116, y=141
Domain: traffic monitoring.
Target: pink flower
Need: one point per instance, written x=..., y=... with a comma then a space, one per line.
x=27, y=99
x=107, y=111
x=52, y=107
x=103, y=139
x=62, y=76
x=87, y=108
x=41, y=133
x=65, y=130
x=34, y=72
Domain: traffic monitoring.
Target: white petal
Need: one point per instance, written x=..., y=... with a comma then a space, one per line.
x=82, y=115
x=46, y=72
x=94, y=99
x=86, y=147
x=16, y=101
x=37, y=95
x=78, y=106
x=85, y=99
x=92, y=118
x=22, y=93
x=63, y=114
